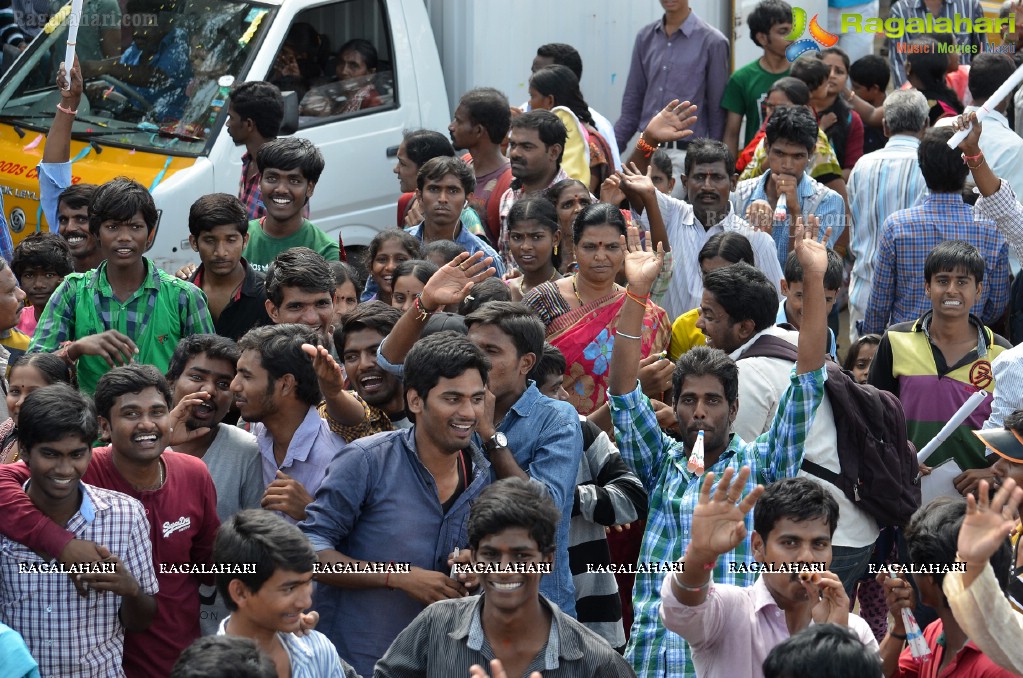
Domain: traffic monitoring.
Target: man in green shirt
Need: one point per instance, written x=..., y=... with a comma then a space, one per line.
x=126, y=310
x=289, y=169
x=769, y=23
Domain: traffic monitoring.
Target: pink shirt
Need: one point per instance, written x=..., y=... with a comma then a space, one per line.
x=735, y=628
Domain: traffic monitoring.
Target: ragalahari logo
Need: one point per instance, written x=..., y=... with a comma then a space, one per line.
x=818, y=39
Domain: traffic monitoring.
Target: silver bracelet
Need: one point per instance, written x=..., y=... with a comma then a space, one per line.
x=691, y=589
x=627, y=336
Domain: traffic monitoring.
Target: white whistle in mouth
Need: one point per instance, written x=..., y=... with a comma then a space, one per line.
x=695, y=464
x=781, y=210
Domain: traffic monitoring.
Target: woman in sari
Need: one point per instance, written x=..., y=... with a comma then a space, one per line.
x=581, y=311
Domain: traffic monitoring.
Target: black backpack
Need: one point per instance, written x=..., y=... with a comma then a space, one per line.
x=879, y=465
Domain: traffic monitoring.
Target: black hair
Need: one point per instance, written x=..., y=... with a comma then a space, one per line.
x=420, y=269
x=133, y=378
x=943, y=168
x=550, y=362
x=261, y=538
x=488, y=107
x=365, y=49
x=77, y=196
x=662, y=161
x=553, y=192
x=794, y=89
x=832, y=274
x=298, y=267
x=484, y=292
x=706, y=151
x=223, y=657
x=854, y=349
x=837, y=51
x=562, y=84
x=703, y=361
x=744, y=293
x=511, y=503
x=870, y=70
x=953, y=255
x=987, y=72
x=214, y=346
x=54, y=369
x=766, y=15
x=447, y=249
x=794, y=124
x=53, y=412
x=447, y=355
x=119, y=200
x=597, y=214
x=564, y=55
x=217, y=209
x=933, y=533
x=518, y=321
x=436, y=169
x=280, y=353
x=810, y=70
x=799, y=500
x=548, y=127
x=410, y=243
x=822, y=650
x=345, y=272
x=262, y=103
x=929, y=66
x=372, y=315
x=291, y=153
x=1014, y=421
x=45, y=250
x=540, y=210
x=424, y=144
x=731, y=246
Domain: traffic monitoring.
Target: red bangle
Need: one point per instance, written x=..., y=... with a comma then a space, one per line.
x=422, y=312
x=642, y=301
x=644, y=147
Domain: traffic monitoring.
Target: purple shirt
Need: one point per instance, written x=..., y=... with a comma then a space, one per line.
x=691, y=64
x=735, y=628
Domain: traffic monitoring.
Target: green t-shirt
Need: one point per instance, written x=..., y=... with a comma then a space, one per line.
x=263, y=249
x=746, y=91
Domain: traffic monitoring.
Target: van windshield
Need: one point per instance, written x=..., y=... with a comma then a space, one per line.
x=154, y=80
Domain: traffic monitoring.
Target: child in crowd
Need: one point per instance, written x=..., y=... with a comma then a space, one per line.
x=40, y=262
x=868, y=77
x=409, y=280
x=661, y=171
x=860, y=355
x=349, y=288
x=386, y=250
x=790, y=310
x=442, y=252
x=31, y=372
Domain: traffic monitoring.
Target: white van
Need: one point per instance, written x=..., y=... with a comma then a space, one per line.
x=174, y=141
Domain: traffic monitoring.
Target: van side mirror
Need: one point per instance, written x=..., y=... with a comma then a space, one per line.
x=290, y=123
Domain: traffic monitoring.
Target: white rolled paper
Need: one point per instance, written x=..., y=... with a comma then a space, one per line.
x=958, y=418
x=73, y=22
x=992, y=102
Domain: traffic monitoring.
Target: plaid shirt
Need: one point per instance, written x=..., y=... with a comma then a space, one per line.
x=660, y=463
x=908, y=236
x=67, y=634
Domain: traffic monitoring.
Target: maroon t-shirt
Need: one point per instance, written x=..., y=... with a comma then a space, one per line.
x=183, y=523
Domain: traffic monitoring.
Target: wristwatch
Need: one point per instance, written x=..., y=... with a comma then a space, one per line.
x=497, y=440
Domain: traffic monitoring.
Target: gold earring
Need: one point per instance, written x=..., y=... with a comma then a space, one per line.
x=555, y=249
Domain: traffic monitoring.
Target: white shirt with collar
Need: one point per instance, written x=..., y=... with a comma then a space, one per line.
x=762, y=382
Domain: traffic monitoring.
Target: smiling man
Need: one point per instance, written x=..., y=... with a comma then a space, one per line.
x=127, y=309
x=401, y=497
x=289, y=169
x=512, y=529
x=267, y=603
x=254, y=116
x=176, y=491
x=300, y=289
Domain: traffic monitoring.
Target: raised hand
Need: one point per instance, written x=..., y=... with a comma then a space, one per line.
x=898, y=594
x=719, y=523
x=636, y=184
x=988, y=521
x=671, y=123
x=177, y=432
x=328, y=372
x=642, y=264
x=810, y=251
x=74, y=92
x=453, y=281
x=760, y=215
x=611, y=190
x=971, y=144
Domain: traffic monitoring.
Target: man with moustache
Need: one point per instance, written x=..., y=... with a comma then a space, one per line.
x=176, y=491
x=275, y=389
x=401, y=497
x=300, y=289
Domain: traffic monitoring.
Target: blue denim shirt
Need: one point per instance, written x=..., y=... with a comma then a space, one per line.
x=379, y=503
x=546, y=440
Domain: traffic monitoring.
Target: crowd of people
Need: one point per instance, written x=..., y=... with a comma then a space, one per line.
x=506, y=440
